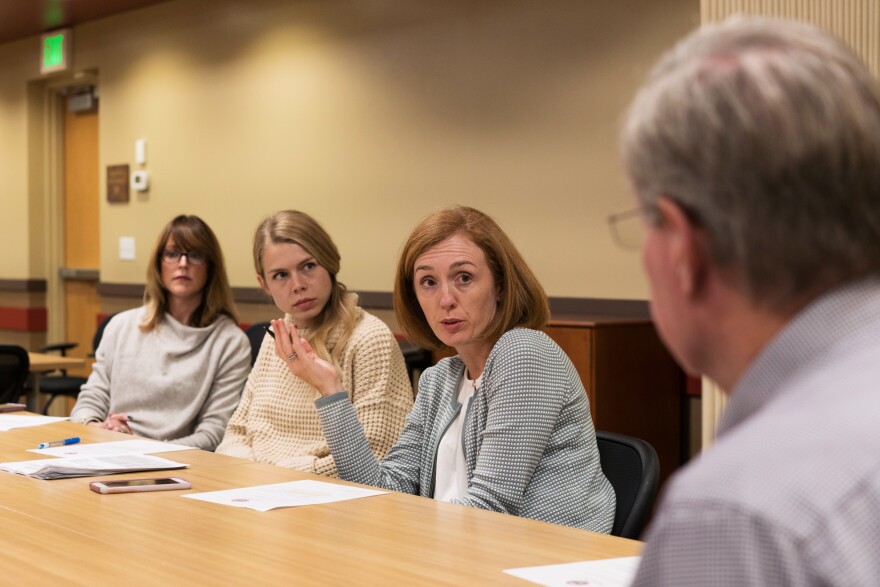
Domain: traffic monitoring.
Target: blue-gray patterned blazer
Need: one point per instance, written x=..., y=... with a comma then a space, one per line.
x=528, y=437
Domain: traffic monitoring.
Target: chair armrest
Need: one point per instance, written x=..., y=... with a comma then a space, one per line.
x=61, y=346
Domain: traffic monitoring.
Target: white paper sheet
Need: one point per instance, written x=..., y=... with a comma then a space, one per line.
x=284, y=495
x=88, y=467
x=10, y=422
x=612, y=572
x=107, y=449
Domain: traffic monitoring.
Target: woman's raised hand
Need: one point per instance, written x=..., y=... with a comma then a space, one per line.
x=302, y=360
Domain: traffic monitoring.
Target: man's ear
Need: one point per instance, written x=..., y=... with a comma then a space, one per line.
x=688, y=252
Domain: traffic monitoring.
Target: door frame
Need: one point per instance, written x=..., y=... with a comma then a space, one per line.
x=52, y=176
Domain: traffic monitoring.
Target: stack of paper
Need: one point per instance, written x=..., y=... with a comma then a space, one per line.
x=89, y=466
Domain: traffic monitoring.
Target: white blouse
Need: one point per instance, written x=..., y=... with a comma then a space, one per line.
x=451, y=480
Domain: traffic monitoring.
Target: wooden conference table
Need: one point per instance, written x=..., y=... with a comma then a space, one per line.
x=61, y=533
x=39, y=364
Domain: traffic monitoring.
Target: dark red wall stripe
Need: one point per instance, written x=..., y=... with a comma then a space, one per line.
x=23, y=319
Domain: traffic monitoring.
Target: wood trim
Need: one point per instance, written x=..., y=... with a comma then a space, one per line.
x=242, y=295
x=578, y=308
x=377, y=300
x=23, y=319
x=23, y=285
x=79, y=274
x=563, y=309
x=121, y=290
x=250, y=295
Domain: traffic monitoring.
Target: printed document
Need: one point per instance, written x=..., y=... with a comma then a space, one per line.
x=612, y=572
x=10, y=422
x=284, y=495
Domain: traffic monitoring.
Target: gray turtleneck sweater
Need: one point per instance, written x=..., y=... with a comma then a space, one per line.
x=176, y=382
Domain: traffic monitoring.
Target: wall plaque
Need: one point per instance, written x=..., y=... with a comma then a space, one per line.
x=117, y=183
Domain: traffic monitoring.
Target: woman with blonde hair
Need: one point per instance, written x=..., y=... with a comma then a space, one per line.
x=174, y=368
x=297, y=264
x=505, y=424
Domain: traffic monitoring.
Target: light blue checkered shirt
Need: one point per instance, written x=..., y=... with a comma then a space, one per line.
x=790, y=493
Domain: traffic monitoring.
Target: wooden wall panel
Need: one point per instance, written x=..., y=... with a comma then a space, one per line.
x=856, y=22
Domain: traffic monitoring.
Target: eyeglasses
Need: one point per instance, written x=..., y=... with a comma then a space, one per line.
x=631, y=235
x=194, y=257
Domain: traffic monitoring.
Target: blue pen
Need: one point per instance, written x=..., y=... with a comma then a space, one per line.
x=64, y=442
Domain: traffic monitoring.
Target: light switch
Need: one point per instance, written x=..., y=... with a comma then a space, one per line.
x=140, y=151
x=126, y=248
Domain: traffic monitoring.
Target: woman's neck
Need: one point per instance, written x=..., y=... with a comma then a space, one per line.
x=182, y=309
x=475, y=356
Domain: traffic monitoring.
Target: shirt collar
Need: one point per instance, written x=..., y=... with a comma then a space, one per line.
x=831, y=324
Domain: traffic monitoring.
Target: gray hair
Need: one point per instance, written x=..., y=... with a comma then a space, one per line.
x=766, y=133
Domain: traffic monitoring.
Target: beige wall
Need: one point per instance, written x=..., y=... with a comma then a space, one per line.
x=14, y=203
x=366, y=115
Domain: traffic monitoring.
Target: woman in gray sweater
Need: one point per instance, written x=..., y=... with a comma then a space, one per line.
x=504, y=425
x=174, y=368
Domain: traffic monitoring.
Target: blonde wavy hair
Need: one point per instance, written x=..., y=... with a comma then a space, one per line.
x=190, y=233
x=298, y=228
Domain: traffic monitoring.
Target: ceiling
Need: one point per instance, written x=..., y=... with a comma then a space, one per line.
x=24, y=18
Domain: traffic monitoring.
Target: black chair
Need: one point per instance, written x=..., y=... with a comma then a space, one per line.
x=632, y=467
x=64, y=384
x=14, y=367
x=256, y=332
x=417, y=360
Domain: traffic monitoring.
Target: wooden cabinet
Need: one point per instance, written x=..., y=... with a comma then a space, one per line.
x=634, y=385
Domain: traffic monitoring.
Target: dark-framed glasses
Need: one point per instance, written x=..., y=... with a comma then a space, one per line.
x=628, y=227
x=193, y=257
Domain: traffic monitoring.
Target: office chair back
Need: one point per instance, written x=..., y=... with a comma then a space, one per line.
x=99, y=333
x=417, y=360
x=256, y=332
x=64, y=384
x=632, y=467
x=14, y=367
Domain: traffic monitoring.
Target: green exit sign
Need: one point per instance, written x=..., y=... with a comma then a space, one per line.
x=56, y=48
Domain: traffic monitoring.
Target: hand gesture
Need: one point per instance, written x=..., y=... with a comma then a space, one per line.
x=302, y=361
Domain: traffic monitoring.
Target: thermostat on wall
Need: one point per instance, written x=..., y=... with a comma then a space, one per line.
x=140, y=181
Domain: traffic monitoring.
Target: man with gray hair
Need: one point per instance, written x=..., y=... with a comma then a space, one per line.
x=754, y=153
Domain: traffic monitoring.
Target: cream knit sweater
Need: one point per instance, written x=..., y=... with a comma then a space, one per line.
x=277, y=422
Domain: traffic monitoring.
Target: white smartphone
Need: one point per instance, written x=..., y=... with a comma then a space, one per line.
x=137, y=485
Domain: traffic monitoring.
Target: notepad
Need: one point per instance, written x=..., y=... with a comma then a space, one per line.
x=89, y=466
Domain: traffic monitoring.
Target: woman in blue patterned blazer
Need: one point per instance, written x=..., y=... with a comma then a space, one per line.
x=504, y=425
